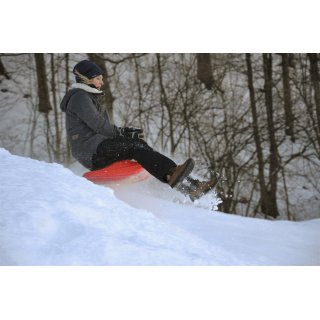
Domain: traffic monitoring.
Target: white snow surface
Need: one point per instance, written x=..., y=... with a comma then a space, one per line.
x=51, y=215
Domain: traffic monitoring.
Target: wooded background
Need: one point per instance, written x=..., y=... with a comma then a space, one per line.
x=254, y=118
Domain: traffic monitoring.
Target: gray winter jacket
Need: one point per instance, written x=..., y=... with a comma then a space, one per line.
x=87, y=125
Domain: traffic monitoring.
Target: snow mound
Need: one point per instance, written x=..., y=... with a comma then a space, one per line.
x=51, y=216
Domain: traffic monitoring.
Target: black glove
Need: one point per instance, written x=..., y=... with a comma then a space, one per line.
x=133, y=133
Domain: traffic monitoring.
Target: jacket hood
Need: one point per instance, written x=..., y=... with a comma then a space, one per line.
x=75, y=88
x=66, y=98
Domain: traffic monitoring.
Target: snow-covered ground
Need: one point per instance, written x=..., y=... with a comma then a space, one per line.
x=50, y=215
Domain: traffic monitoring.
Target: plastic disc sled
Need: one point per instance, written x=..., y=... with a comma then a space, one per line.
x=125, y=170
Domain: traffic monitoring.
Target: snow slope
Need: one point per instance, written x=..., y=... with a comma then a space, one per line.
x=51, y=216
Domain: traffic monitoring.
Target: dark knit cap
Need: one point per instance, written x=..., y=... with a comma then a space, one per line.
x=88, y=69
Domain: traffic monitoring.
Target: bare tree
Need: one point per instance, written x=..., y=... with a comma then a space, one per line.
x=67, y=85
x=43, y=92
x=3, y=71
x=164, y=101
x=262, y=183
x=315, y=79
x=205, y=70
x=57, y=137
x=273, y=157
x=289, y=117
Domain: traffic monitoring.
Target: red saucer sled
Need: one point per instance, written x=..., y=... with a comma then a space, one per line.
x=126, y=171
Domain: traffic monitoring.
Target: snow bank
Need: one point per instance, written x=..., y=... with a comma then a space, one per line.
x=50, y=216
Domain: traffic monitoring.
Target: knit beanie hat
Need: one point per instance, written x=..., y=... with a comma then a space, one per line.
x=86, y=69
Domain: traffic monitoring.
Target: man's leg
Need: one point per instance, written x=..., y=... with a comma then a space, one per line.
x=121, y=148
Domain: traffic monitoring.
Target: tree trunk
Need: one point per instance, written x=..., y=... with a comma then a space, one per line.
x=315, y=79
x=273, y=157
x=57, y=153
x=164, y=101
x=204, y=72
x=289, y=118
x=263, y=189
x=107, y=99
x=67, y=71
x=43, y=92
x=3, y=71
x=68, y=157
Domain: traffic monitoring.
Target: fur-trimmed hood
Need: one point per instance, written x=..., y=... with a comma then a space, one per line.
x=87, y=88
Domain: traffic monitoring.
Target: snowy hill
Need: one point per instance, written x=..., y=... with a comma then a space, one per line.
x=52, y=216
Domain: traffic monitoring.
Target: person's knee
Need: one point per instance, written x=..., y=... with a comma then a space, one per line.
x=141, y=145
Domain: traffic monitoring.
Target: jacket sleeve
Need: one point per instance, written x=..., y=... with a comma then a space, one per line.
x=82, y=106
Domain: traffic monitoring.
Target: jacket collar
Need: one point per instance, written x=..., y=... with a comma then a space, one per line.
x=85, y=87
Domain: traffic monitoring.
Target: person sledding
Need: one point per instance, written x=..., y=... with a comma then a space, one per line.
x=97, y=143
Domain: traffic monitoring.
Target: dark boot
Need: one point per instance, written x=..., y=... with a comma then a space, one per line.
x=178, y=173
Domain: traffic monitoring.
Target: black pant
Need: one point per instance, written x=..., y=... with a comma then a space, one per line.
x=121, y=148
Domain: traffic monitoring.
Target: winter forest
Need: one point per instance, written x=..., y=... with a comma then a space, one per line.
x=252, y=118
